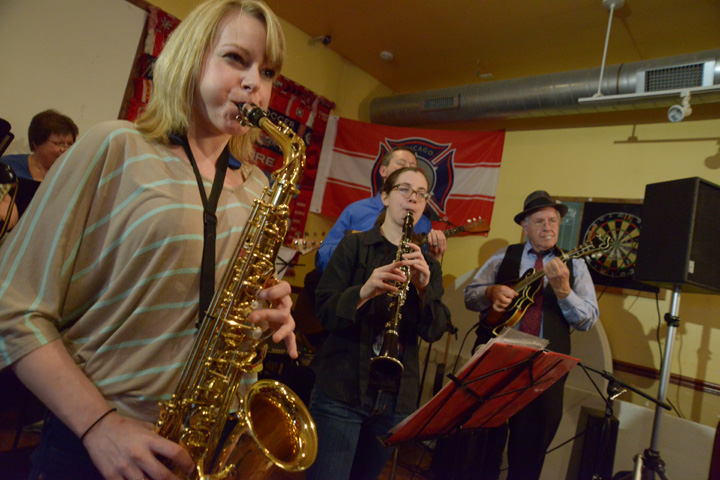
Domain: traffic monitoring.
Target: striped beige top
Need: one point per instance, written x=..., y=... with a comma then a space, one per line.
x=107, y=258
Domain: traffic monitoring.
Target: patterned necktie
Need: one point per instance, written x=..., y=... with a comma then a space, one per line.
x=532, y=319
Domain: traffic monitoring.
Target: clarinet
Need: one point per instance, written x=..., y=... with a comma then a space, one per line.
x=387, y=364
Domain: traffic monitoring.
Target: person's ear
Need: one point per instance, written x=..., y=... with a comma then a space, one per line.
x=384, y=197
x=382, y=170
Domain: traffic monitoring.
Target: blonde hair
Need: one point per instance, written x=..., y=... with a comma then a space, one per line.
x=178, y=67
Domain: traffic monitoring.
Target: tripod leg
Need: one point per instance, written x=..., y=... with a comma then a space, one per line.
x=395, y=455
x=637, y=473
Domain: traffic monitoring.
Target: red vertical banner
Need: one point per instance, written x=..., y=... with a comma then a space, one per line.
x=306, y=113
x=160, y=25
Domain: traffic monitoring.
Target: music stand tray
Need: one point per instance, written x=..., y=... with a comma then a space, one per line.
x=501, y=378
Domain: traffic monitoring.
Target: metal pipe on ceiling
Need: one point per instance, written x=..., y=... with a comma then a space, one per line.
x=553, y=94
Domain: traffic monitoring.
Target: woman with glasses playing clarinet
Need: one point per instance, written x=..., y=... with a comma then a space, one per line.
x=351, y=405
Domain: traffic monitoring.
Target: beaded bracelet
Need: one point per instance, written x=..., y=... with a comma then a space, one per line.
x=97, y=421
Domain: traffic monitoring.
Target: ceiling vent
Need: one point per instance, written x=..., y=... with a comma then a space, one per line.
x=676, y=78
x=441, y=103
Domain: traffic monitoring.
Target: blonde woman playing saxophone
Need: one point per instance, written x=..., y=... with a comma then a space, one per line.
x=101, y=277
x=350, y=406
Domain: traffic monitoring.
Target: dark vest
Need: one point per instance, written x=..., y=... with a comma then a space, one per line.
x=555, y=327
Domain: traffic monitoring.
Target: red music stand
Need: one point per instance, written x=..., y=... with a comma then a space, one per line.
x=502, y=377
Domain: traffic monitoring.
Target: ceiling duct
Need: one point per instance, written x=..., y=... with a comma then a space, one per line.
x=641, y=84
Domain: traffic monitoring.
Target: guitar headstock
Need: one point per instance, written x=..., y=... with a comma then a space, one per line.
x=307, y=243
x=476, y=225
x=594, y=245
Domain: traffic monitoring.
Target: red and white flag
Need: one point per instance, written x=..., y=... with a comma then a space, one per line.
x=462, y=167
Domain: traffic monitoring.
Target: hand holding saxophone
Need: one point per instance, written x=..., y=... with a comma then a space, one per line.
x=116, y=438
x=278, y=316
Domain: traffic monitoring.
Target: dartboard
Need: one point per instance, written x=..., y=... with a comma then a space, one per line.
x=624, y=230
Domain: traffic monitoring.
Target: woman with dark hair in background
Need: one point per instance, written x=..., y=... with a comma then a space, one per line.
x=50, y=134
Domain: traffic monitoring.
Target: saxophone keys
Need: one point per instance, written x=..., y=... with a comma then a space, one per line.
x=256, y=333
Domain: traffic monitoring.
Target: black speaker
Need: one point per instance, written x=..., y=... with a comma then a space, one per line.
x=678, y=244
x=593, y=452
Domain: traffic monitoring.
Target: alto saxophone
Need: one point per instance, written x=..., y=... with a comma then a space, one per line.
x=274, y=428
x=386, y=364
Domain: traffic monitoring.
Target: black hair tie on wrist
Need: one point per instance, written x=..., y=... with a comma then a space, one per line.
x=96, y=422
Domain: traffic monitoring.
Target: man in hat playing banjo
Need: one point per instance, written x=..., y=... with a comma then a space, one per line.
x=566, y=300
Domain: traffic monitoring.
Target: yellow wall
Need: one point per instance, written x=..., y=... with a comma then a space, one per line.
x=314, y=66
x=599, y=162
x=595, y=162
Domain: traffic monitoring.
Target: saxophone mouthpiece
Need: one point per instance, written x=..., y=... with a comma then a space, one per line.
x=250, y=114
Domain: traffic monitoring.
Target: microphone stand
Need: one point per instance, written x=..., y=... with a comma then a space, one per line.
x=615, y=388
x=649, y=463
x=619, y=383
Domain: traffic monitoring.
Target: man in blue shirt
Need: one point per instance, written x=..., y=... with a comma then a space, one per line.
x=568, y=300
x=361, y=215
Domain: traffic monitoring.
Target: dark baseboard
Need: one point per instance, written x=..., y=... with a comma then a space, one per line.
x=683, y=381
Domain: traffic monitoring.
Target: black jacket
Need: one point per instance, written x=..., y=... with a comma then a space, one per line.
x=342, y=364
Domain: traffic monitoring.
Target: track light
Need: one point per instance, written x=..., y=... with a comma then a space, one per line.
x=677, y=113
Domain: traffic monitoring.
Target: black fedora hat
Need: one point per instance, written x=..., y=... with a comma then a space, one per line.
x=537, y=200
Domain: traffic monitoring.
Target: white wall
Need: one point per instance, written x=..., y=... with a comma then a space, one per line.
x=71, y=55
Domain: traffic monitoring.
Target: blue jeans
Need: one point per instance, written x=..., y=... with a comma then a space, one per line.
x=348, y=447
x=61, y=455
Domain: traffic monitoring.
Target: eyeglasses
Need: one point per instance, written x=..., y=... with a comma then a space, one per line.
x=407, y=191
x=62, y=145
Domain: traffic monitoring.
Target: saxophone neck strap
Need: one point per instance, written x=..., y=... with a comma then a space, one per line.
x=207, y=269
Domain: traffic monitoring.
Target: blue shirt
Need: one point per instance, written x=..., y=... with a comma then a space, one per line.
x=580, y=308
x=19, y=164
x=358, y=216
